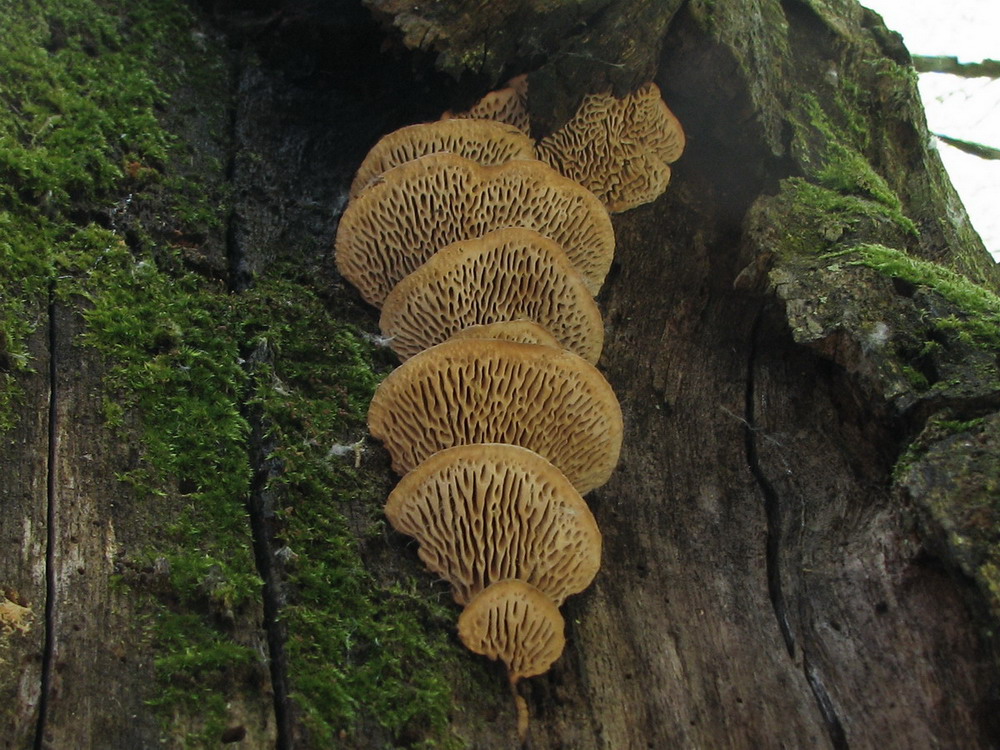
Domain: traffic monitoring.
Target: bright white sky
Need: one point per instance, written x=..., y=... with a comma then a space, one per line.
x=966, y=108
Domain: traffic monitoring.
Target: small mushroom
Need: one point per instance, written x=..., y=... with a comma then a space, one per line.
x=485, y=513
x=618, y=148
x=508, y=274
x=522, y=331
x=485, y=391
x=508, y=105
x=482, y=141
x=421, y=206
x=516, y=623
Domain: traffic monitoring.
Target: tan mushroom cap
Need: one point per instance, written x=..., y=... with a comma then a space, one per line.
x=618, y=148
x=521, y=331
x=482, y=141
x=508, y=105
x=421, y=206
x=486, y=391
x=516, y=623
x=508, y=274
x=485, y=513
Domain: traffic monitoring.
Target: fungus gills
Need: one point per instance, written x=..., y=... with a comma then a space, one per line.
x=508, y=105
x=521, y=331
x=509, y=274
x=518, y=624
x=489, y=512
x=487, y=391
x=485, y=262
x=620, y=149
x=420, y=206
x=485, y=142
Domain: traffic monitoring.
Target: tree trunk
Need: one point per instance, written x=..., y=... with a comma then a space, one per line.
x=799, y=540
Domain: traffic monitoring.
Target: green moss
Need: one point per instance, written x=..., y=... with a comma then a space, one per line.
x=841, y=198
x=939, y=426
x=62, y=140
x=812, y=218
x=171, y=342
x=79, y=133
x=81, y=142
x=200, y=662
x=914, y=377
x=849, y=99
x=849, y=173
x=977, y=322
x=361, y=651
x=84, y=86
x=957, y=426
x=835, y=158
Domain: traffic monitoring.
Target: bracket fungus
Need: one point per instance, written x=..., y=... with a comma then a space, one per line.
x=483, y=141
x=508, y=105
x=620, y=149
x=508, y=274
x=421, y=206
x=516, y=623
x=463, y=238
x=522, y=331
x=487, y=391
x=485, y=513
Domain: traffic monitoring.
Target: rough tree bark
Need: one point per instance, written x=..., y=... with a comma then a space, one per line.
x=800, y=539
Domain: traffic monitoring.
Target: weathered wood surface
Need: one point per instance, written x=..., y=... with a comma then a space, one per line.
x=23, y=543
x=93, y=633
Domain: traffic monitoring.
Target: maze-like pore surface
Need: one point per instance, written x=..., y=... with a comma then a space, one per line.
x=482, y=141
x=486, y=513
x=508, y=105
x=421, y=206
x=485, y=391
x=508, y=274
x=618, y=148
x=523, y=331
x=514, y=622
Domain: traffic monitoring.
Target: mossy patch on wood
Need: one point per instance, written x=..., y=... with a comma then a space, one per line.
x=102, y=208
x=82, y=153
x=977, y=318
x=839, y=200
x=74, y=106
x=362, y=650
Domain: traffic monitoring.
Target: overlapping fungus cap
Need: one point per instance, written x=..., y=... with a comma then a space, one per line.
x=487, y=391
x=482, y=141
x=421, y=206
x=485, y=513
x=504, y=275
x=508, y=105
x=516, y=623
x=522, y=331
x=618, y=148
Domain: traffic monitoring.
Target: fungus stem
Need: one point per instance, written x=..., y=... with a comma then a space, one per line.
x=522, y=714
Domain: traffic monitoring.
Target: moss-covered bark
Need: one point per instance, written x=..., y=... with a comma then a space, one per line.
x=156, y=404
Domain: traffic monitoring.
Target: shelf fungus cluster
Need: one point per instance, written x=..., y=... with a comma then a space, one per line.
x=484, y=251
x=620, y=149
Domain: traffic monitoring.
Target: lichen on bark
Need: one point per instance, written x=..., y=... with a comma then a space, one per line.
x=952, y=476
